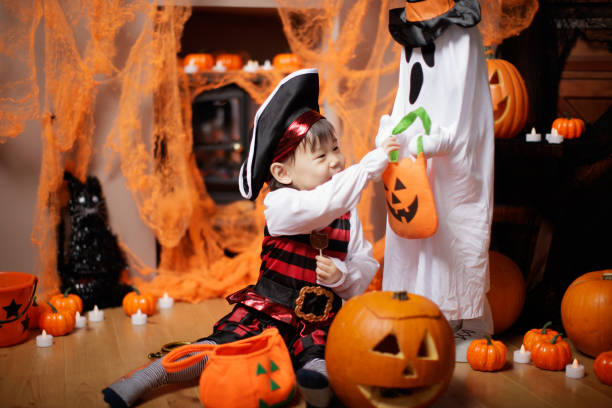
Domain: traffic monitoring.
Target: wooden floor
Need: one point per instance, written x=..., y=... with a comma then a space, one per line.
x=77, y=367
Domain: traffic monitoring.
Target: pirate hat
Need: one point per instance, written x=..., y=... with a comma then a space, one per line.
x=422, y=21
x=279, y=125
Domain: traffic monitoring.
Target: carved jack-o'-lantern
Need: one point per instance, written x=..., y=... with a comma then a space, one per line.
x=410, y=203
x=509, y=98
x=388, y=349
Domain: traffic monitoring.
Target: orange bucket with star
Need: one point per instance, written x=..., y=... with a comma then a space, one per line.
x=17, y=291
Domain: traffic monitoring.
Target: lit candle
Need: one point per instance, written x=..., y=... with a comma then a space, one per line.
x=44, y=340
x=95, y=315
x=574, y=370
x=139, y=318
x=533, y=136
x=80, y=321
x=219, y=67
x=165, y=302
x=554, y=136
x=267, y=66
x=522, y=356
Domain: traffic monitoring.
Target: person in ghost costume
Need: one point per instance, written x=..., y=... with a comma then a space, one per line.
x=443, y=70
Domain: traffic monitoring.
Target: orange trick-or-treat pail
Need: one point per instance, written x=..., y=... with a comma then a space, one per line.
x=16, y=295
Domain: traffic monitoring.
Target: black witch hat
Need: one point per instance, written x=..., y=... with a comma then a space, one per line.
x=295, y=95
x=420, y=22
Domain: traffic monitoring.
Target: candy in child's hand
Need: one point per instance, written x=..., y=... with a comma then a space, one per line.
x=319, y=240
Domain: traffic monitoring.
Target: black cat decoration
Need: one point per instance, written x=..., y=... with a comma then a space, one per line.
x=91, y=262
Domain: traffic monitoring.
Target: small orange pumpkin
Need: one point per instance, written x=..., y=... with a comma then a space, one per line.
x=509, y=97
x=287, y=62
x=535, y=335
x=35, y=311
x=552, y=355
x=586, y=312
x=487, y=354
x=57, y=322
x=68, y=301
x=602, y=366
x=507, y=291
x=136, y=300
x=230, y=61
x=201, y=60
x=569, y=128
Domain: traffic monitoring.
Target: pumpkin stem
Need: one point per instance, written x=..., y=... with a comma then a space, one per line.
x=489, y=340
x=135, y=290
x=554, y=339
x=548, y=323
x=53, y=309
x=607, y=276
x=403, y=295
x=67, y=291
x=34, y=301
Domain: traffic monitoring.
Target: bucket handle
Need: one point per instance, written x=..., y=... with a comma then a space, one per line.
x=25, y=309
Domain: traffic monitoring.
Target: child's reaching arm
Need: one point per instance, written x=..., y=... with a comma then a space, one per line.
x=290, y=211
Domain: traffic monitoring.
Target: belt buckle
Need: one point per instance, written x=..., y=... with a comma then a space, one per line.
x=311, y=317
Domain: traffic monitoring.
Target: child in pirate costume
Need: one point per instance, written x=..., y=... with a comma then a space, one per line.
x=313, y=252
x=443, y=70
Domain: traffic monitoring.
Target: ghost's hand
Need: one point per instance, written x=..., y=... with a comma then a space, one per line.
x=437, y=143
x=385, y=129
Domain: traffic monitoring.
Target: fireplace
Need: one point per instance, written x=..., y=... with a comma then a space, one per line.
x=221, y=120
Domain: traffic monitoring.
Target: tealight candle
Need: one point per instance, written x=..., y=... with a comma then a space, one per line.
x=533, y=136
x=139, y=318
x=44, y=340
x=219, y=67
x=267, y=66
x=95, y=315
x=522, y=356
x=165, y=302
x=554, y=136
x=79, y=321
x=574, y=370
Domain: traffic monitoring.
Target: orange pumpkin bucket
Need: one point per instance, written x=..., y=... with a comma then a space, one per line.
x=16, y=295
x=411, y=207
x=254, y=372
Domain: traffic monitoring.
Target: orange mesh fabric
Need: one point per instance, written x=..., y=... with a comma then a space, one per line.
x=505, y=18
x=347, y=40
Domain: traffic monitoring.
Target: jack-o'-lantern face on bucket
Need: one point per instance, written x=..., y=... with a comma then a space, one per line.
x=410, y=203
x=388, y=349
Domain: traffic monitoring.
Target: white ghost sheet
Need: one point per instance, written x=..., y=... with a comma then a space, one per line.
x=450, y=267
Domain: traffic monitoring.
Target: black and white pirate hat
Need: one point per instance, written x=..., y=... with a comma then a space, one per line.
x=279, y=125
x=420, y=22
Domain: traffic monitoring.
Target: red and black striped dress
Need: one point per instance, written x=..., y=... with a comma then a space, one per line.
x=286, y=294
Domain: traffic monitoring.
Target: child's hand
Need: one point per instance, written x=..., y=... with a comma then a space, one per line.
x=390, y=144
x=327, y=272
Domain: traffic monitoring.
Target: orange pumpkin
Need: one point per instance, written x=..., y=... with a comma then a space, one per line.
x=569, y=128
x=287, y=62
x=230, y=61
x=35, y=311
x=68, y=301
x=201, y=60
x=602, y=366
x=509, y=98
x=57, y=322
x=535, y=335
x=487, y=354
x=586, y=312
x=385, y=344
x=136, y=300
x=551, y=355
x=507, y=291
